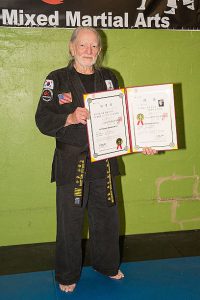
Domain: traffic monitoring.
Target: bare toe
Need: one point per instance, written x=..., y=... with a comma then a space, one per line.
x=67, y=288
x=118, y=276
x=62, y=287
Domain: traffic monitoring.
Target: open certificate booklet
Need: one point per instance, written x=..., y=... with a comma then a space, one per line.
x=127, y=120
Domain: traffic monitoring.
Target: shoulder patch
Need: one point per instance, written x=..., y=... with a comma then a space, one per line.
x=47, y=95
x=48, y=84
x=109, y=84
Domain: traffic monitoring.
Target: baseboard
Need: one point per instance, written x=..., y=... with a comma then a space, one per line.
x=139, y=247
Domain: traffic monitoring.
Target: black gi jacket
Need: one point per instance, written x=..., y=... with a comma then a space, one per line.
x=51, y=118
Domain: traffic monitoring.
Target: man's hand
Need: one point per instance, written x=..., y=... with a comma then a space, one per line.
x=80, y=115
x=149, y=151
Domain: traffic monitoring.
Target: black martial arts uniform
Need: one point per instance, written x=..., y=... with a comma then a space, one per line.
x=71, y=149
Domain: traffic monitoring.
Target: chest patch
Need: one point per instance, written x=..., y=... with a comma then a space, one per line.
x=109, y=84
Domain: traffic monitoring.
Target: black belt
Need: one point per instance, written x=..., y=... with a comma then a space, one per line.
x=79, y=178
x=64, y=146
x=110, y=194
x=79, y=182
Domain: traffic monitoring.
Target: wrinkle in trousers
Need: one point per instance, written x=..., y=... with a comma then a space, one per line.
x=103, y=231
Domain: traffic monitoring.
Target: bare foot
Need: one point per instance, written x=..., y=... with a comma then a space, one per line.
x=67, y=288
x=118, y=276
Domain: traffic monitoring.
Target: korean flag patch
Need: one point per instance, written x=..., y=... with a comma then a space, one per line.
x=49, y=84
x=109, y=84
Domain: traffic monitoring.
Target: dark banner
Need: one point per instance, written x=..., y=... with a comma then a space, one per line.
x=117, y=14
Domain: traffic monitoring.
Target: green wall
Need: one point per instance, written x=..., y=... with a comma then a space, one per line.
x=157, y=194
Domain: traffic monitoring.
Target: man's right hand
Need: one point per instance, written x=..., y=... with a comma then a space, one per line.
x=80, y=115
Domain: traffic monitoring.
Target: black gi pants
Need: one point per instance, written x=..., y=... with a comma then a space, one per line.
x=103, y=231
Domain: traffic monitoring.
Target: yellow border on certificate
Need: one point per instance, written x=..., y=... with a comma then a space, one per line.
x=85, y=96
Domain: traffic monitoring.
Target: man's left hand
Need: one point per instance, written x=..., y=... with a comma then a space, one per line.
x=149, y=151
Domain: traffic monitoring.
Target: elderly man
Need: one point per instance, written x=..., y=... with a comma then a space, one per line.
x=61, y=114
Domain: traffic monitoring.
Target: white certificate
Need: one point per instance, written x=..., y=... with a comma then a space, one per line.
x=127, y=120
x=108, y=124
x=152, y=117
